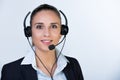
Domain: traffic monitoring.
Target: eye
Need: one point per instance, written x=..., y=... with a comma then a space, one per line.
x=39, y=26
x=54, y=26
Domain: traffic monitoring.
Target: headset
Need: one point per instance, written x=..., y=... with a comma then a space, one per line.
x=28, y=31
x=64, y=31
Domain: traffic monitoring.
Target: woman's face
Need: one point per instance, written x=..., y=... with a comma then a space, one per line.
x=46, y=27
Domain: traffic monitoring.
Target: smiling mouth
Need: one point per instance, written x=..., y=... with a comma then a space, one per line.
x=46, y=42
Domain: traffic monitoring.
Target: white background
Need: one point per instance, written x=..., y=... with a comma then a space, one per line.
x=94, y=36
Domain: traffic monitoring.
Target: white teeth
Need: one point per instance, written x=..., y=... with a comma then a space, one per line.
x=46, y=40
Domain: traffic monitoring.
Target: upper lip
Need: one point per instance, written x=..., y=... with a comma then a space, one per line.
x=47, y=40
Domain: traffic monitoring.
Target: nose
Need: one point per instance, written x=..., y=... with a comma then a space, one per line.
x=46, y=32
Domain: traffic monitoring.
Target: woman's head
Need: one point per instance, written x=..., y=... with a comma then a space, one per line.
x=45, y=26
x=44, y=7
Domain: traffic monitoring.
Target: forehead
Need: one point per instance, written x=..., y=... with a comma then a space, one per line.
x=46, y=14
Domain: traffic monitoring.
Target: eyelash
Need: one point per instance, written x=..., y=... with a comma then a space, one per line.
x=41, y=27
x=54, y=26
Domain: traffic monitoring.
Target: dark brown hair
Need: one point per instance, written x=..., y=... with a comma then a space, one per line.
x=44, y=7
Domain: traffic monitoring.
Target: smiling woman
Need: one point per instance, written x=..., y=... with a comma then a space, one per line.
x=42, y=63
x=45, y=30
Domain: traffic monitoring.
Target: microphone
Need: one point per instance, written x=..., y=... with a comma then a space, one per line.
x=52, y=46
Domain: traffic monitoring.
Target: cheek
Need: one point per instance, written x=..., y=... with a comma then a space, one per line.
x=36, y=33
x=57, y=38
x=35, y=36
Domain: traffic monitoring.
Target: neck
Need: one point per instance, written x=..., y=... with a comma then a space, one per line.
x=46, y=55
x=46, y=60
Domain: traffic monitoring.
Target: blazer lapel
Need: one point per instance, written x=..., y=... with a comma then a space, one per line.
x=69, y=72
x=28, y=73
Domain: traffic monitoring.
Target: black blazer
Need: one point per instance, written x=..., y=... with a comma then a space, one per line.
x=16, y=71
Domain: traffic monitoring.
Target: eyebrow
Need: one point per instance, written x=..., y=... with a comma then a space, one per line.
x=39, y=23
x=55, y=23
x=50, y=23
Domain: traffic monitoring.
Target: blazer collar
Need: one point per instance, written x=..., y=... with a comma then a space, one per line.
x=28, y=73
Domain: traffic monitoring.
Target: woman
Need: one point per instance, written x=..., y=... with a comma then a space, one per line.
x=42, y=63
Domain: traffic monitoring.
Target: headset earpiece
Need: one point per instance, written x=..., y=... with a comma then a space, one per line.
x=64, y=29
x=27, y=31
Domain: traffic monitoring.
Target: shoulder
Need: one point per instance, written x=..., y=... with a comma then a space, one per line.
x=12, y=65
x=11, y=70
